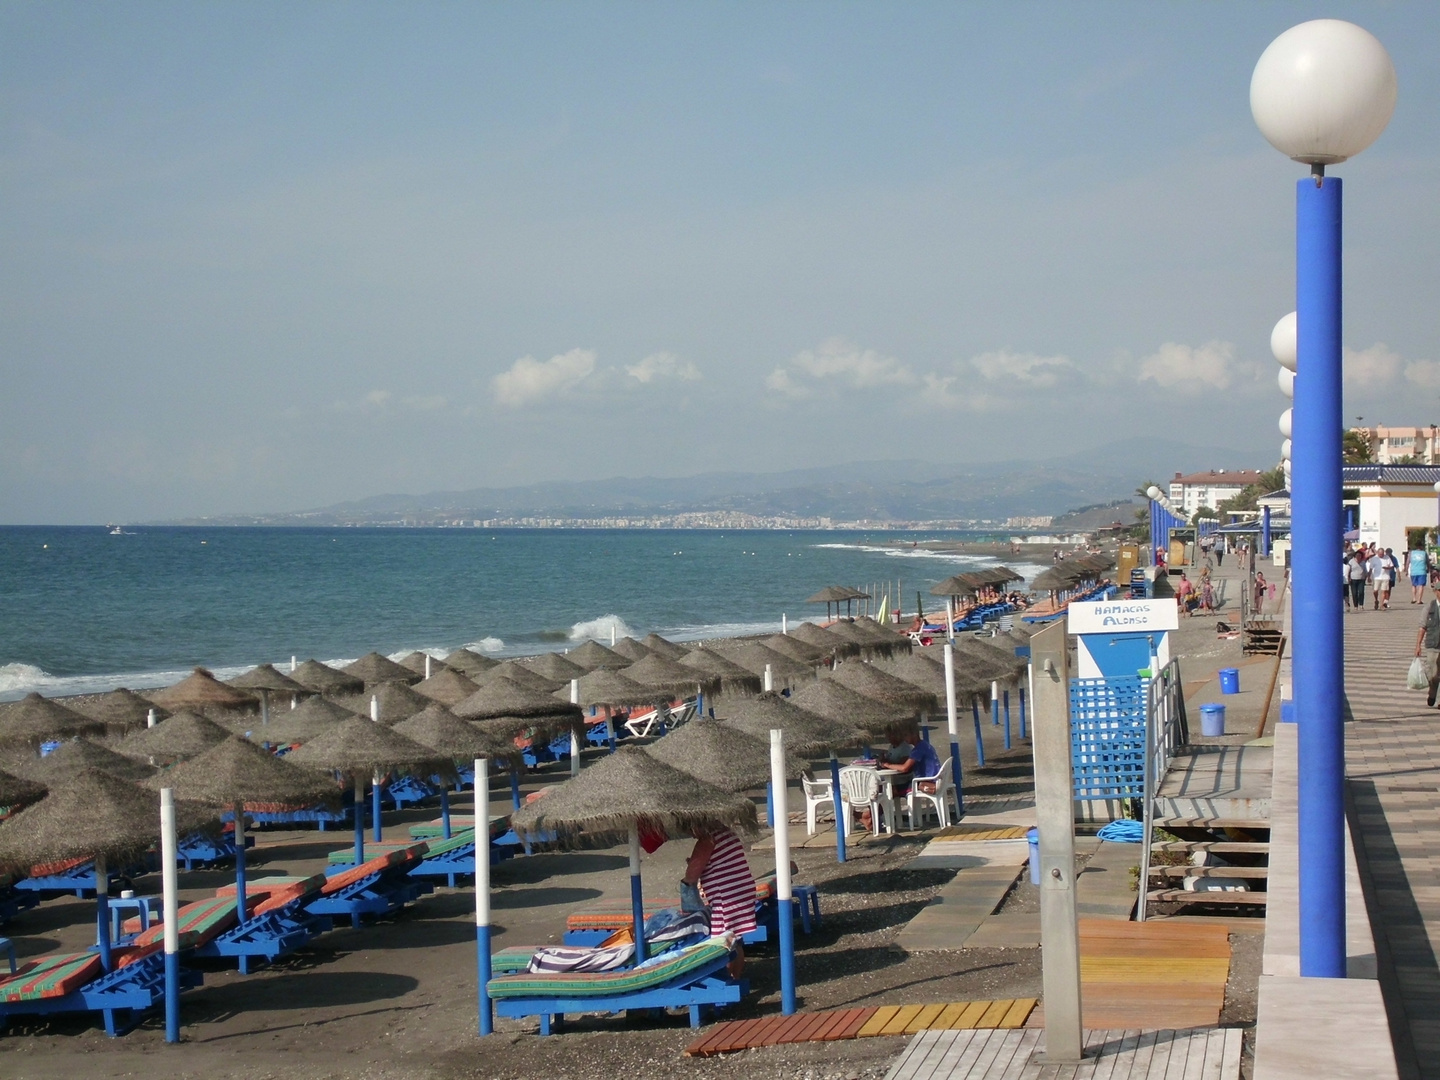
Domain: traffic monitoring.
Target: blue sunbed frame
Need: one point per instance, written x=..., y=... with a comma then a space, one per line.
x=122, y=997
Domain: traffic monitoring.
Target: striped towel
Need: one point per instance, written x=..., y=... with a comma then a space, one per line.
x=606, y=983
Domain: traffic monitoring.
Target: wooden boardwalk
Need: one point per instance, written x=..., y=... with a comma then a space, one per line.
x=860, y=1023
x=1109, y=1055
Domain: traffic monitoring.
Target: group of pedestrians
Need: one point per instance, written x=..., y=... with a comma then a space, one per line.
x=1380, y=568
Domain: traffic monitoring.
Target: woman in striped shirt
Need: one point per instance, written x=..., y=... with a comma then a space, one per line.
x=718, y=865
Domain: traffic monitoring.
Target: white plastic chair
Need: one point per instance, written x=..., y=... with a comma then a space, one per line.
x=860, y=787
x=818, y=796
x=938, y=799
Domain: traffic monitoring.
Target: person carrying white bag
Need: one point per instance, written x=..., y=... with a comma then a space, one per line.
x=1427, y=653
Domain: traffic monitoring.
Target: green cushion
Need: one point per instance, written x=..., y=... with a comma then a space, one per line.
x=608, y=983
x=50, y=977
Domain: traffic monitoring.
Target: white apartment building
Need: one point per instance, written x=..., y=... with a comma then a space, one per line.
x=1189, y=493
x=1391, y=445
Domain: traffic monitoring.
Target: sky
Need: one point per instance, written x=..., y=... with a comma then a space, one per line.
x=263, y=257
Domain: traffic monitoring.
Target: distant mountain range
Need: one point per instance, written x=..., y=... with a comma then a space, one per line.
x=876, y=491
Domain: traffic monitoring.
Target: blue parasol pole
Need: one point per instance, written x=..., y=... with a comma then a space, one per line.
x=784, y=902
x=482, y=893
x=770, y=803
x=169, y=889
x=952, y=726
x=359, y=809
x=102, y=911
x=375, y=783
x=240, y=869
x=445, y=811
x=995, y=708
x=637, y=899
x=979, y=742
x=1022, y=713
x=839, y=807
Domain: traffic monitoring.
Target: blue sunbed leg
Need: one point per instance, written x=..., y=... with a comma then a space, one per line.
x=109, y=1015
x=694, y=1016
x=514, y=791
x=244, y=964
x=839, y=809
x=1022, y=712
x=172, y=997
x=769, y=804
x=544, y=1023
x=979, y=742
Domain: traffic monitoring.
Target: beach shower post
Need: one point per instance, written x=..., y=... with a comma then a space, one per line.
x=482, y=893
x=784, y=901
x=1321, y=93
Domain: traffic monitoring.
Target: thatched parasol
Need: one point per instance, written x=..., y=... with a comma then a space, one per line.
x=447, y=687
x=612, y=689
x=34, y=719
x=754, y=657
x=185, y=735
x=265, y=677
x=417, y=660
x=721, y=754
x=395, y=701
x=323, y=679
x=822, y=638
x=865, y=639
x=1057, y=579
x=311, y=717
x=987, y=660
x=837, y=595
x=734, y=679
x=869, y=680
x=837, y=702
x=16, y=793
x=235, y=771
x=521, y=675
x=358, y=747
x=200, y=690
x=806, y=733
x=374, y=668
x=592, y=656
x=667, y=676
x=72, y=756
x=957, y=585
x=469, y=663
x=1003, y=575
x=503, y=696
x=886, y=639
x=628, y=788
x=119, y=710
x=441, y=730
x=554, y=667
x=668, y=649
x=921, y=668
x=631, y=649
x=802, y=652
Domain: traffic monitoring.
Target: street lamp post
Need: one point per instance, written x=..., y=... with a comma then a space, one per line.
x=1321, y=93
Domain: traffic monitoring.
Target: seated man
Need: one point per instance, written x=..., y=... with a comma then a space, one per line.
x=920, y=761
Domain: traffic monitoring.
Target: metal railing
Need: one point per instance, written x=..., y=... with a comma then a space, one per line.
x=1167, y=728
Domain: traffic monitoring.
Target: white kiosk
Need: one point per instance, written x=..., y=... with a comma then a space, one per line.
x=1122, y=637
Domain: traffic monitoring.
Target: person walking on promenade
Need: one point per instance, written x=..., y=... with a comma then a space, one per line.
x=1427, y=644
x=1418, y=564
x=1379, y=568
x=1357, y=579
x=1257, y=593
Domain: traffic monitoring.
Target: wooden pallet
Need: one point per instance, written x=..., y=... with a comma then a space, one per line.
x=981, y=832
x=860, y=1023
x=1185, y=896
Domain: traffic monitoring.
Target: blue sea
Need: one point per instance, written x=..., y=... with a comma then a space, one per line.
x=82, y=610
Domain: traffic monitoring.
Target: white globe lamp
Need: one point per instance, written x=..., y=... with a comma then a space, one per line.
x=1285, y=423
x=1285, y=450
x=1154, y=493
x=1286, y=378
x=1323, y=91
x=1282, y=341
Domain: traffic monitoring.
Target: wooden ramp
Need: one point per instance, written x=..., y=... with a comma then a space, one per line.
x=1150, y=975
x=860, y=1023
x=1112, y=1055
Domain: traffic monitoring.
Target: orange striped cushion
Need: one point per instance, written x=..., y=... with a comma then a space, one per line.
x=50, y=977
x=46, y=869
x=198, y=923
x=383, y=861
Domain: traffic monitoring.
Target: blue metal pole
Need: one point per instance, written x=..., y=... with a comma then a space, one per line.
x=482, y=972
x=240, y=867
x=995, y=707
x=769, y=804
x=1265, y=512
x=358, y=809
x=839, y=808
x=1005, y=702
x=514, y=790
x=482, y=894
x=637, y=896
x=172, y=997
x=955, y=772
x=102, y=913
x=979, y=742
x=375, y=807
x=785, y=914
x=445, y=812
x=1022, y=713
x=1316, y=517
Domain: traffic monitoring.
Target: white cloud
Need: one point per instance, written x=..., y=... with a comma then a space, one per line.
x=1192, y=369
x=1424, y=373
x=424, y=402
x=378, y=397
x=955, y=392
x=662, y=365
x=782, y=382
x=1042, y=371
x=1367, y=367
x=839, y=363
x=530, y=380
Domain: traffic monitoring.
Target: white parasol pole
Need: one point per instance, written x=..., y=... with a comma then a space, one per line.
x=293, y=665
x=482, y=892
x=169, y=888
x=574, y=735
x=950, y=618
x=784, y=904
x=769, y=683
x=784, y=623
x=374, y=708
x=427, y=665
x=150, y=718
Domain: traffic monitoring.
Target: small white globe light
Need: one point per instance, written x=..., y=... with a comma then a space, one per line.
x=1282, y=341
x=1285, y=423
x=1437, y=487
x=1285, y=450
x=1154, y=492
x=1323, y=91
x=1286, y=378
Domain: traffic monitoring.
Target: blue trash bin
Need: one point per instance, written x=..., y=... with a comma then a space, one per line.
x=1229, y=680
x=1212, y=721
x=1033, y=835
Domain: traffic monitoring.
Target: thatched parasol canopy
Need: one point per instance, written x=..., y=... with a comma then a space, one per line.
x=721, y=754
x=359, y=747
x=837, y=594
x=631, y=649
x=1003, y=575
x=754, y=657
x=521, y=675
x=34, y=719
x=415, y=662
x=311, y=717
x=184, y=735
x=72, y=756
x=956, y=585
x=631, y=787
x=503, y=696
x=668, y=649
x=119, y=710
x=447, y=687
x=92, y=814
x=238, y=771
x=734, y=679
x=802, y=652
x=201, y=690
x=837, y=702
x=806, y=733
x=373, y=668
x=886, y=638
x=397, y=701
x=593, y=656
x=323, y=679
x=977, y=656
x=16, y=793
x=554, y=667
x=265, y=677
x=667, y=676
x=469, y=663
x=611, y=688
x=441, y=730
x=822, y=638
x=869, y=680
x=1057, y=578
x=922, y=669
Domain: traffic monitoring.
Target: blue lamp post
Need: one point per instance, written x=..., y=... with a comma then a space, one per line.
x=1321, y=93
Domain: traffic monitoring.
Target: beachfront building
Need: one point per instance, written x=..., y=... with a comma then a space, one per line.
x=1402, y=445
x=1392, y=499
x=1190, y=493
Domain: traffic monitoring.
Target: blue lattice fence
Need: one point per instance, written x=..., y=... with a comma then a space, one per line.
x=1107, y=737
